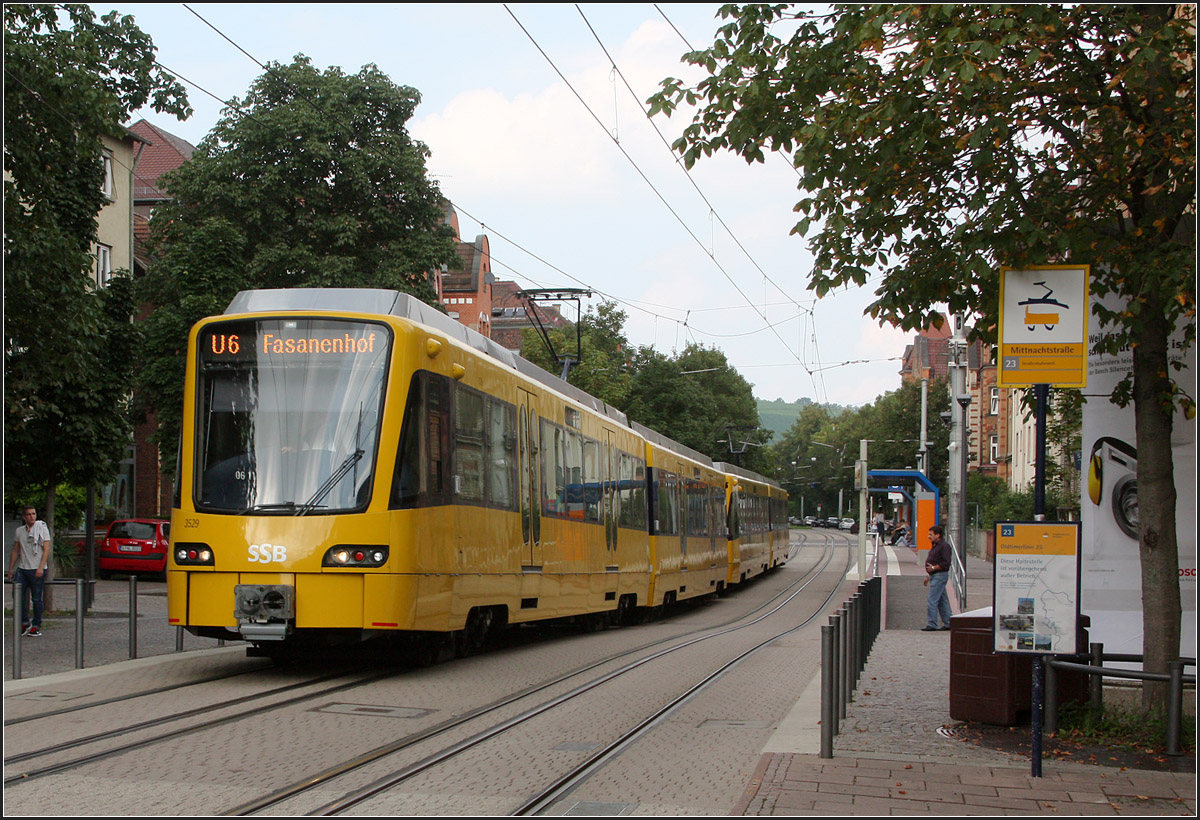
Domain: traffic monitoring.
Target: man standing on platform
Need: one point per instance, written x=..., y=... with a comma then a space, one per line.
x=937, y=573
x=30, y=557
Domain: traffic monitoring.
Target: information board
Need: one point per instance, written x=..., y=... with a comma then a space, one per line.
x=1035, y=595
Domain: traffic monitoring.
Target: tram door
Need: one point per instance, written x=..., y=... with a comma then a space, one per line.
x=685, y=494
x=531, y=519
x=610, y=498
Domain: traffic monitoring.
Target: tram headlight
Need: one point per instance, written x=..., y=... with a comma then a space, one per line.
x=355, y=555
x=193, y=554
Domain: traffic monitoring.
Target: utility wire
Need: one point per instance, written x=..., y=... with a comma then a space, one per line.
x=631, y=303
x=712, y=208
x=812, y=373
x=457, y=205
x=640, y=173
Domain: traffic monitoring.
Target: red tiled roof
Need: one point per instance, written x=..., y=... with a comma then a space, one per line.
x=164, y=152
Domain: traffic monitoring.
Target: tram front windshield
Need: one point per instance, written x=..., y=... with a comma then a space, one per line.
x=288, y=415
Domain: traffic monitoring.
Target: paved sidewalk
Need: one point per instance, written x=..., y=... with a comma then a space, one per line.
x=893, y=756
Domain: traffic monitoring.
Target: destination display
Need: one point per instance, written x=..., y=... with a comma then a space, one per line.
x=242, y=341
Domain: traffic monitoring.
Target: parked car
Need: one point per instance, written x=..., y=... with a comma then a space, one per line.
x=810, y=520
x=846, y=523
x=135, y=545
x=832, y=522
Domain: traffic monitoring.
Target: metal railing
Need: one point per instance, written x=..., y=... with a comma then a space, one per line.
x=958, y=575
x=81, y=595
x=845, y=645
x=1097, y=671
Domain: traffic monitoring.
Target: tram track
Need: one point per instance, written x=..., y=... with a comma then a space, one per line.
x=129, y=697
x=677, y=643
x=566, y=784
x=81, y=760
x=77, y=761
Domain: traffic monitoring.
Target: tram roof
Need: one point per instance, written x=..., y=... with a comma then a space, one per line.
x=726, y=467
x=394, y=303
x=670, y=444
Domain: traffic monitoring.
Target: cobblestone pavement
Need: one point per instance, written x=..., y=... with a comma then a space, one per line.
x=894, y=756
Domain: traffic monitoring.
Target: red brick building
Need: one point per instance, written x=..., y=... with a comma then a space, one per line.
x=988, y=417
x=466, y=293
x=928, y=357
x=472, y=295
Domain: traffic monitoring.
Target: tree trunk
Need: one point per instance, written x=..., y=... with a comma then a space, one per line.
x=1158, y=544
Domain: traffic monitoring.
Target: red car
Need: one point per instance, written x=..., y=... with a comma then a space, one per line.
x=135, y=545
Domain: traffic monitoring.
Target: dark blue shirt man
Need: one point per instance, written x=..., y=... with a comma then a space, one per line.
x=937, y=569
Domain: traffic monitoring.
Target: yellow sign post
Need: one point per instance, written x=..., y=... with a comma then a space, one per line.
x=1043, y=326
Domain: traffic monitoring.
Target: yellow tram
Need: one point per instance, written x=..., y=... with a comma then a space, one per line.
x=357, y=463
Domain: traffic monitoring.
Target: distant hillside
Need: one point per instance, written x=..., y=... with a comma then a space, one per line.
x=778, y=416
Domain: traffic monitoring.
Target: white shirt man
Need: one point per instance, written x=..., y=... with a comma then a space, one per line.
x=30, y=557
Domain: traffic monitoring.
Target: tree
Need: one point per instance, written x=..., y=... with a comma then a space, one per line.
x=804, y=468
x=699, y=400
x=898, y=423
x=69, y=80
x=936, y=143
x=310, y=181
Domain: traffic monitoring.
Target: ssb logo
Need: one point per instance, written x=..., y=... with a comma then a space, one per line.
x=267, y=553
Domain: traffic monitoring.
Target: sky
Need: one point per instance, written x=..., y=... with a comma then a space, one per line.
x=570, y=181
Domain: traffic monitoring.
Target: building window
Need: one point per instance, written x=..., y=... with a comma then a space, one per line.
x=993, y=449
x=103, y=265
x=994, y=405
x=108, y=187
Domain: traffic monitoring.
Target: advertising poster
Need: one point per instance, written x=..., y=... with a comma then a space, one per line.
x=1035, y=598
x=1111, y=573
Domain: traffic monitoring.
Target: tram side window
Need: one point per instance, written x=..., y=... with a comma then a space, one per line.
x=554, y=484
x=667, y=507
x=590, y=478
x=420, y=475
x=571, y=475
x=735, y=514
x=477, y=438
x=468, y=446
x=501, y=447
x=697, y=514
x=632, y=489
x=716, y=504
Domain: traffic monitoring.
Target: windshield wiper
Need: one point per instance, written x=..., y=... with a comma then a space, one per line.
x=282, y=505
x=331, y=482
